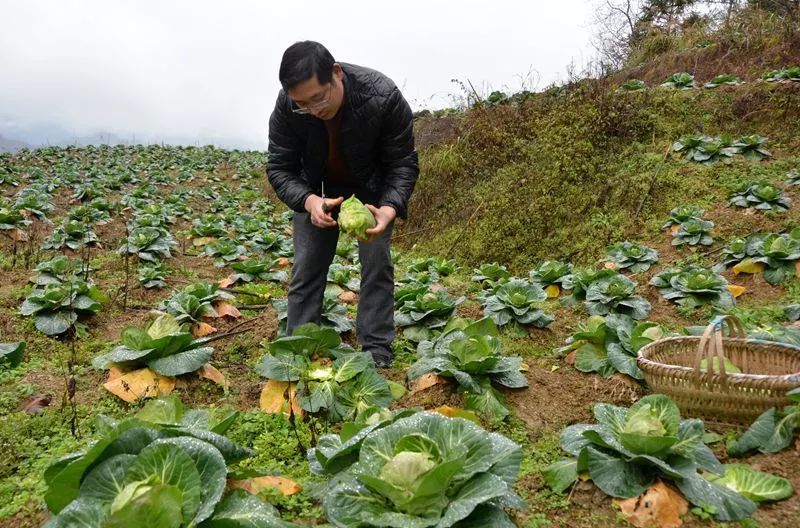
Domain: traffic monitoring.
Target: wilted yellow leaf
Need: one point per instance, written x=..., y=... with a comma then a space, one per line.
x=202, y=241
x=201, y=329
x=610, y=265
x=748, y=266
x=660, y=506
x=284, y=262
x=226, y=309
x=552, y=291
x=736, y=290
x=141, y=383
x=426, y=381
x=209, y=371
x=274, y=398
x=674, y=228
x=256, y=485
x=455, y=412
x=114, y=373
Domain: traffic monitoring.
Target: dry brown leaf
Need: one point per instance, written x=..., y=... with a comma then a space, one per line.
x=660, y=506
x=226, y=309
x=227, y=282
x=610, y=265
x=201, y=329
x=674, y=228
x=426, y=381
x=273, y=398
x=209, y=371
x=36, y=404
x=348, y=297
x=141, y=383
x=284, y=262
x=569, y=359
x=256, y=485
x=19, y=235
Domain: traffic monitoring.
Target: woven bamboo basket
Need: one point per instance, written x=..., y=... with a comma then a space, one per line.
x=672, y=366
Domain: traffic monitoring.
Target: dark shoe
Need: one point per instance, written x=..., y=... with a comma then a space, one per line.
x=382, y=362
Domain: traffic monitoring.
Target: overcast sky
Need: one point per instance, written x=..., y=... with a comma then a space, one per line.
x=207, y=71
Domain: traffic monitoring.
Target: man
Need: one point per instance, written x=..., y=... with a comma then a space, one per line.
x=339, y=129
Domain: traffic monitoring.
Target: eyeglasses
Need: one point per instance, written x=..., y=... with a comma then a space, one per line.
x=305, y=110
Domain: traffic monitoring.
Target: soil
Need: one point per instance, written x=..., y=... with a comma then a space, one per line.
x=430, y=398
x=469, y=311
x=435, y=131
x=558, y=395
x=107, y=325
x=706, y=63
x=35, y=519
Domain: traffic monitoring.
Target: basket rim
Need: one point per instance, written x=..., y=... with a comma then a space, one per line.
x=645, y=362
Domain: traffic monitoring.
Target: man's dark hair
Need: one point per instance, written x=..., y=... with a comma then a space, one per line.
x=302, y=60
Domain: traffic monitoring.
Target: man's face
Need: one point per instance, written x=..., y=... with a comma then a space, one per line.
x=320, y=100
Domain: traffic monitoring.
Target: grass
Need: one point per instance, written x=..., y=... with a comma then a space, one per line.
x=566, y=175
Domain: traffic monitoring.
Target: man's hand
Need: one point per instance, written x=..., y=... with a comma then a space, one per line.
x=322, y=217
x=383, y=217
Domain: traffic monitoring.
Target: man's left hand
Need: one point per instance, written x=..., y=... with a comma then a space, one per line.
x=383, y=217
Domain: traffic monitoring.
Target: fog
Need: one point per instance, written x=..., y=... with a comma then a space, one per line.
x=207, y=72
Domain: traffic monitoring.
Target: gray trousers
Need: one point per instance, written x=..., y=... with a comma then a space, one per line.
x=314, y=249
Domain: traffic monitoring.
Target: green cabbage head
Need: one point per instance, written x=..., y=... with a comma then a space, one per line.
x=403, y=471
x=355, y=218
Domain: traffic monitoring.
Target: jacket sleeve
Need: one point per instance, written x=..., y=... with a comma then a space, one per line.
x=283, y=161
x=397, y=154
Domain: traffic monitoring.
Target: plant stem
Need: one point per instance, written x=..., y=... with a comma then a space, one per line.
x=127, y=271
x=227, y=334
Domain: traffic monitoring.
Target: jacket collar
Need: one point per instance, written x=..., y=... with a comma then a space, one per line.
x=351, y=98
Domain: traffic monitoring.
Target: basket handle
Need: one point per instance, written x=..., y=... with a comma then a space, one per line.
x=711, y=345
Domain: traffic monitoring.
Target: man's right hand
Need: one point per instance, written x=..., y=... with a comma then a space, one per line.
x=320, y=217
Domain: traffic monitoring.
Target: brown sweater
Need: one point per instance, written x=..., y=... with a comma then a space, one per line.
x=335, y=166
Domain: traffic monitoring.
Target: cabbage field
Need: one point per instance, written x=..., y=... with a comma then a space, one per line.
x=146, y=378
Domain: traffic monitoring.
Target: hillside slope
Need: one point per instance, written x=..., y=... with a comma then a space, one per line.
x=564, y=173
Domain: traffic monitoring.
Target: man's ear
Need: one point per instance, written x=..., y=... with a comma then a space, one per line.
x=337, y=71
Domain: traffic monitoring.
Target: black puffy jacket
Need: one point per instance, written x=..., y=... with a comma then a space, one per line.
x=377, y=140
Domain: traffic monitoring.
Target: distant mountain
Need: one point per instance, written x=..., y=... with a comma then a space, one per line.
x=12, y=145
x=38, y=134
